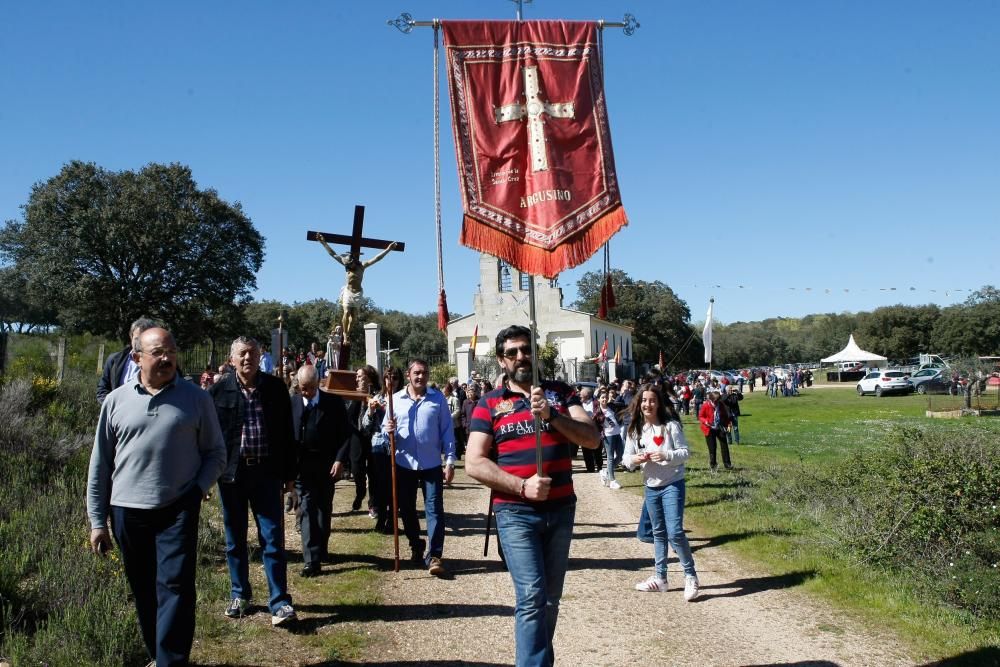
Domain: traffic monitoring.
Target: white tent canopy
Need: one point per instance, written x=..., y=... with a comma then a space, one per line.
x=853, y=353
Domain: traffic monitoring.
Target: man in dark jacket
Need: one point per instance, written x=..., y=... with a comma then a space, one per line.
x=319, y=422
x=256, y=419
x=119, y=367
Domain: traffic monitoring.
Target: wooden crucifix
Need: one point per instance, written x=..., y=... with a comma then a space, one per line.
x=351, y=293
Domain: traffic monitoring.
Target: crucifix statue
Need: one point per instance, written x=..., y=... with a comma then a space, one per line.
x=351, y=293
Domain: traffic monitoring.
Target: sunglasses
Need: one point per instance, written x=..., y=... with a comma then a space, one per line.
x=511, y=352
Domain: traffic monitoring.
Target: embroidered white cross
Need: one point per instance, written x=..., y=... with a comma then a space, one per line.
x=532, y=109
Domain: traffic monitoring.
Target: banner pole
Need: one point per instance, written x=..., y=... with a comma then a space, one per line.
x=534, y=371
x=392, y=457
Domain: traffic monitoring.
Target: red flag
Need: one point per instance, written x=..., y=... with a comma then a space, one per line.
x=603, y=356
x=618, y=355
x=533, y=143
x=610, y=292
x=442, y=311
x=475, y=338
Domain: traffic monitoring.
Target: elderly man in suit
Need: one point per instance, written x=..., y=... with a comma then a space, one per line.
x=319, y=421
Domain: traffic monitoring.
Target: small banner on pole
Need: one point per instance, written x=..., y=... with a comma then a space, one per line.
x=535, y=163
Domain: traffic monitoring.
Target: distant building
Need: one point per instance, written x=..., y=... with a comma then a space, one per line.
x=502, y=300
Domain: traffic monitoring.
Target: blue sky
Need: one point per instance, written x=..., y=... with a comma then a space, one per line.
x=848, y=147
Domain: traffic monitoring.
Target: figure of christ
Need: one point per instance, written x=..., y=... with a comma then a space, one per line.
x=351, y=293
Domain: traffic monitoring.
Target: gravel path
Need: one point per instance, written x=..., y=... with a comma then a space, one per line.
x=742, y=618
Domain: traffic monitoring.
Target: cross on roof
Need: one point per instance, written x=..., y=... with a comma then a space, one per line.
x=355, y=240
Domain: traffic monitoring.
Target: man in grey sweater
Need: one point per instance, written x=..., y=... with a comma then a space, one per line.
x=157, y=450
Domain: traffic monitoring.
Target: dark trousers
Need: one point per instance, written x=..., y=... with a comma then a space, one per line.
x=431, y=483
x=592, y=458
x=159, y=552
x=360, y=454
x=718, y=435
x=315, y=490
x=460, y=439
x=381, y=490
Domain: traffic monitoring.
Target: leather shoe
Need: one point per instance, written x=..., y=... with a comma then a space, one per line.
x=311, y=570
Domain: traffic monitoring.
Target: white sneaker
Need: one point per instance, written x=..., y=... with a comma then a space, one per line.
x=652, y=585
x=690, y=587
x=604, y=477
x=613, y=484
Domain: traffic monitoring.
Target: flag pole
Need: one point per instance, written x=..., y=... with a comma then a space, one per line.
x=532, y=325
x=392, y=456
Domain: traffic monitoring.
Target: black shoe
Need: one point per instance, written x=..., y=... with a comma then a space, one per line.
x=311, y=570
x=356, y=505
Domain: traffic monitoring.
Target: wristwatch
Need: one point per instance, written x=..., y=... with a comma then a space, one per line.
x=553, y=414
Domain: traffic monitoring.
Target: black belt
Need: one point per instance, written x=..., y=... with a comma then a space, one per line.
x=254, y=460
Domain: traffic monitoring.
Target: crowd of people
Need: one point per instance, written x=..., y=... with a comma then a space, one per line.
x=259, y=429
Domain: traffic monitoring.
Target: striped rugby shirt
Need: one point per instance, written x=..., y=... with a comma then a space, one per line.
x=506, y=417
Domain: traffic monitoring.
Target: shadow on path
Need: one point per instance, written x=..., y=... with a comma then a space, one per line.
x=751, y=585
x=725, y=538
x=337, y=613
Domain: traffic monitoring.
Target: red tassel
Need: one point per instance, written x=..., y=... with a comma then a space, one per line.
x=442, y=311
x=602, y=309
x=525, y=257
x=611, y=292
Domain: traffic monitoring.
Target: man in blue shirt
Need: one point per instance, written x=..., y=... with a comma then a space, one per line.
x=424, y=432
x=266, y=362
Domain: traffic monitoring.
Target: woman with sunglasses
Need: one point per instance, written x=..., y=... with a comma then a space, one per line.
x=655, y=441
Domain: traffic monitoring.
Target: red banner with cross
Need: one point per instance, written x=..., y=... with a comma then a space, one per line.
x=535, y=163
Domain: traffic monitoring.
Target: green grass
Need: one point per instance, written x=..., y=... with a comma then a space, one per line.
x=754, y=512
x=331, y=607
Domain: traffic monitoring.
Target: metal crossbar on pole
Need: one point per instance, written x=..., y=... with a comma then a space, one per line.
x=405, y=23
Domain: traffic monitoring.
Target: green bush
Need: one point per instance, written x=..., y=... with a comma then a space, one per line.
x=59, y=605
x=925, y=504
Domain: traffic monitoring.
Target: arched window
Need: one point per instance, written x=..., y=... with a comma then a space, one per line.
x=504, y=280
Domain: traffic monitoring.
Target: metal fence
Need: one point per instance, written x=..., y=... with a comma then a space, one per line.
x=987, y=398
x=51, y=355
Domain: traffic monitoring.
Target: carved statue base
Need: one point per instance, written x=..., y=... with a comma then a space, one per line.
x=345, y=355
x=343, y=384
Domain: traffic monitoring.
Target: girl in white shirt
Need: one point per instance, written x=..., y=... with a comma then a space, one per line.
x=656, y=442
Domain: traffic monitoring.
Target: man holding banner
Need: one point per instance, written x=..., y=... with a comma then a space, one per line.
x=534, y=512
x=539, y=191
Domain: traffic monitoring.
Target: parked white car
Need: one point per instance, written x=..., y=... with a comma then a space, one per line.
x=884, y=382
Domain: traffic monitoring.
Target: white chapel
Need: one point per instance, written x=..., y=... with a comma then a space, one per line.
x=502, y=300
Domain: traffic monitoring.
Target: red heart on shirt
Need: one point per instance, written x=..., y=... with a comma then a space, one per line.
x=658, y=440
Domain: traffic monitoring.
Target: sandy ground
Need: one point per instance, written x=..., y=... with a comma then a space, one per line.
x=742, y=617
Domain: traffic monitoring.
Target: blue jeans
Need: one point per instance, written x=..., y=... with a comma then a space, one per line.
x=536, y=547
x=734, y=434
x=431, y=482
x=666, y=510
x=159, y=551
x=614, y=448
x=257, y=487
